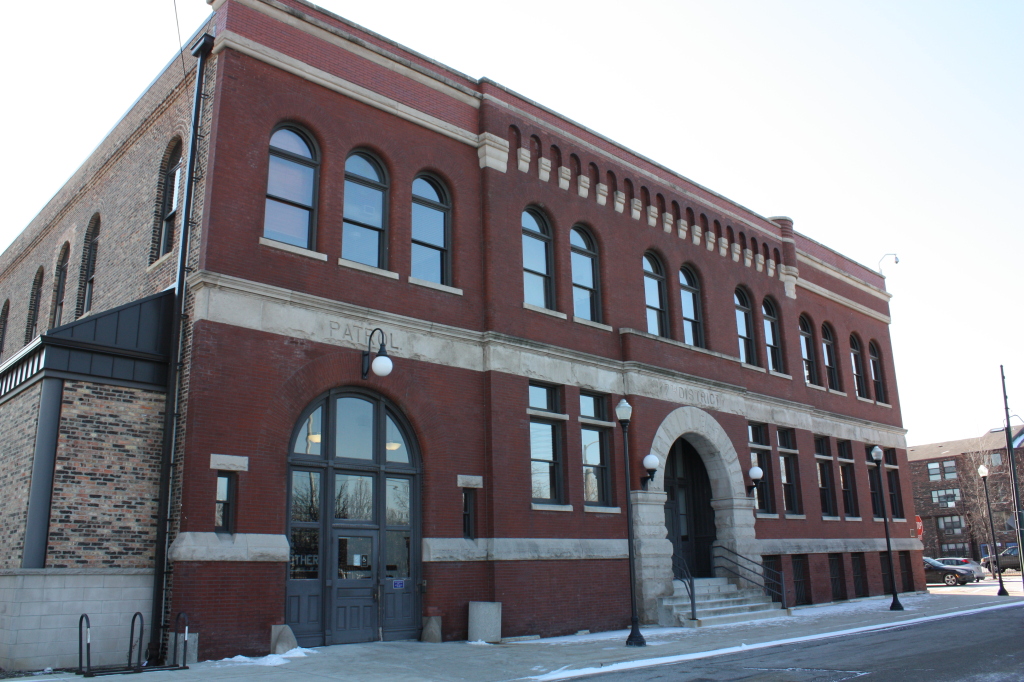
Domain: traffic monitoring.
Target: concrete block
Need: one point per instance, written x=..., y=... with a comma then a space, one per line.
x=485, y=621
x=431, y=630
x=193, y=649
x=282, y=639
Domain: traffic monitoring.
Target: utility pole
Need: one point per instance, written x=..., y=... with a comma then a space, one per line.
x=1018, y=517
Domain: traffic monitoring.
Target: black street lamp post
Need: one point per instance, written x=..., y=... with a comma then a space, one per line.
x=983, y=472
x=876, y=454
x=623, y=412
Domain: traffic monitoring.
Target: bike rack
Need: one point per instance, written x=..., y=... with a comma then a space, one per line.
x=138, y=667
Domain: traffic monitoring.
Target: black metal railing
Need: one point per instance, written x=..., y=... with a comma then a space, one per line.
x=681, y=572
x=86, y=668
x=771, y=581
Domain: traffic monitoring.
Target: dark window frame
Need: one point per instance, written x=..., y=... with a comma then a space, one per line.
x=826, y=488
x=895, y=492
x=469, y=513
x=789, y=477
x=226, y=508
x=4, y=315
x=848, y=483
x=60, y=288
x=807, y=351
x=745, y=336
x=857, y=363
x=692, y=289
x=556, y=464
x=545, y=237
x=877, y=373
x=590, y=252
x=170, y=188
x=384, y=187
x=314, y=163
x=445, y=207
x=772, y=342
x=657, y=275
x=949, y=469
x=759, y=443
x=34, y=303
x=828, y=358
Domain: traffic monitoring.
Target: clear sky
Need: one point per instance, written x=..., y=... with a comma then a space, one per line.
x=878, y=126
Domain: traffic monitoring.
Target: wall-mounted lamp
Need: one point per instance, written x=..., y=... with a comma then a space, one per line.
x=651, y=463
x=381, y=364
x=756, y=474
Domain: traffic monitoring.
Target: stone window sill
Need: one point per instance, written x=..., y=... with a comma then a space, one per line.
x=367, y=268
x=886, y=405
x=547, y=415
x=545, y=311
x=591, y=323
x=816, y=387
x=835, y=392
x=602, y=510
x=596, y=422
x=536, y=506
x=434, y=285
x=830, y=518
x=762, y=515
x=798, y=517
x=854, y=518
x=780, y=375
x=297, y=250
x=159, y=261
x=753, y=367
x=866, y=400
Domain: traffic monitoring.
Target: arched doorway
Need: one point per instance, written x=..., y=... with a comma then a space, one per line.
x=353, y=522
x=689, y=518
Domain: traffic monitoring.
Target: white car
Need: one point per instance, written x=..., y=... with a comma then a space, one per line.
x=961, y=562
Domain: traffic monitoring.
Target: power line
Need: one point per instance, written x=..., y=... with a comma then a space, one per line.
x=181, y=48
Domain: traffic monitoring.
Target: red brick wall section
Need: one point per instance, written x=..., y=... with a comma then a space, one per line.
x=105, y=484
x=230, y=604
x=18, y=418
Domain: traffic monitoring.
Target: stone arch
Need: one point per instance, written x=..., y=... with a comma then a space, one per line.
x=734, y=511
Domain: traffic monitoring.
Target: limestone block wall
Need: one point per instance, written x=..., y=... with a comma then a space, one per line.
x=18, y=417
x=40, y=608
x=106, y=479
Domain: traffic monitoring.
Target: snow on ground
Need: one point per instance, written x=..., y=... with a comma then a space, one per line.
x=270, y=660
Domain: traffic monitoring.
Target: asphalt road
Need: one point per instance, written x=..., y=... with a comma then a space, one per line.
x=985, y=647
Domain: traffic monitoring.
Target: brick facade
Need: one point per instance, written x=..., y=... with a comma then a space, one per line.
x=103, y=510
x=18, y=418
x=270, y=329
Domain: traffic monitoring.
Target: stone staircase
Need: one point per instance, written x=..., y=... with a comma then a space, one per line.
x=718, y=602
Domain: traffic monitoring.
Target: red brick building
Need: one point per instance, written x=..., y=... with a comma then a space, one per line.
x=526, y=273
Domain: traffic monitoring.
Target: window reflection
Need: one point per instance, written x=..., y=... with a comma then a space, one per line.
x=305, y=554
x=305, y=496
x=397, y=563
x=353, y=497
x=355, y=558
x=398, y=502
x=307, y=442
x=354, y=433
x=395, y=448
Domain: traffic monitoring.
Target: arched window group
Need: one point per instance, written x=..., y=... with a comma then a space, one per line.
x=88, y=276
x=170, y=188
x=537, y=289
x=60, y=287
x=290, y=215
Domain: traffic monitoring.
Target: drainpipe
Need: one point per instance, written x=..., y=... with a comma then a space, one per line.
x=201, y=50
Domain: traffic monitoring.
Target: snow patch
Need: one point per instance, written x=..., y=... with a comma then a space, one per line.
x=270, y=660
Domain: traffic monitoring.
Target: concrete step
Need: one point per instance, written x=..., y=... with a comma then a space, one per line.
x=734, y=609
x=711, y=600
x=733, y=618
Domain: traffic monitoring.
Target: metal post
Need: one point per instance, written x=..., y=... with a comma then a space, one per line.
x=999, y=571
x=895, y=605
x=1013, y=471
x=635, y=638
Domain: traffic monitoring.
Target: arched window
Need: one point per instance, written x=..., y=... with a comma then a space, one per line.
x=353, y=506
x=60, y=287
x=32, y=323
x=807, y=352
x=431, y=227
x=744, y=327
x=689, y=292
x=4, y=312
x=89, y=255
x=290, y=215
x=771, y=336
x=585, y=302
x=364, y=236
x=536, y=261
x=877, y=378
x=857, y=362
x=828, y=356
x=654, y=295
x=169, y=205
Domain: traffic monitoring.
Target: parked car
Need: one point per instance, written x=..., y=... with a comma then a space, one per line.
x=963, y=562
x=1008, y=559
x=934, y=572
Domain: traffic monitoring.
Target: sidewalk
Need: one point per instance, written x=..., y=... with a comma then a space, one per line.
x=566, y=657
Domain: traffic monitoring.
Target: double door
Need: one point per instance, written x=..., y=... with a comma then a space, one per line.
x=354, y=574
x=689, y=516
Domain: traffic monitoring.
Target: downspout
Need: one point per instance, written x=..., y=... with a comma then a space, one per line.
x=201, y=50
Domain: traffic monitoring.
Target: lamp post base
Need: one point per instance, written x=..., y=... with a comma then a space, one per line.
x=895, y=605
x=635, y=638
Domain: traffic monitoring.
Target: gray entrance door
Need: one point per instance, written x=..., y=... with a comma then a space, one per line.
x=688, y=514
x=354, y=523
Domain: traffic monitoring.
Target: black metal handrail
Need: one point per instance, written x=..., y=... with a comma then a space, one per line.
x=87, y=670
x=681, y=572
x=771, y=581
